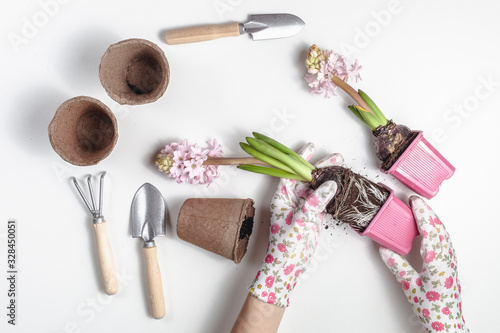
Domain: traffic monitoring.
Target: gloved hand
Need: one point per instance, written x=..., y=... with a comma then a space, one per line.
x=296, y=216
x=434, y=293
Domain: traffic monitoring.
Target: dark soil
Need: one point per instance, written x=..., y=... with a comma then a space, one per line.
x=246, y=228
x=357, y=200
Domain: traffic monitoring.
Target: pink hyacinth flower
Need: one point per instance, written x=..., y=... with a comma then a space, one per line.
x=184, y=162
x=322, y=65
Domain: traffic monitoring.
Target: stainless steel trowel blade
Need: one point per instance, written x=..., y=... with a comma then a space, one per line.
x=148, y=213
x=270, y=26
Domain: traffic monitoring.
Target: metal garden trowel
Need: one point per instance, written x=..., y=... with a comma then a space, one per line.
x=148, y=221
x=264, y=26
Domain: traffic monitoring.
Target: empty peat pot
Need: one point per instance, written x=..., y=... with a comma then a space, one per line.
x=221, y=226
x=83, y=131
x=134, y=71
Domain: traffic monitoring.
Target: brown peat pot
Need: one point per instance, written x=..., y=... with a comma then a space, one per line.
x=83, y=131
x=134, y=71
x=221, y=226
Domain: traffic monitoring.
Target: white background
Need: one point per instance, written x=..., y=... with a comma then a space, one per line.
x=422, y=61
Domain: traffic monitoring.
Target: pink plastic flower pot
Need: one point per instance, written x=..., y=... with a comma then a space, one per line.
x=394, y=225
x=421, y=168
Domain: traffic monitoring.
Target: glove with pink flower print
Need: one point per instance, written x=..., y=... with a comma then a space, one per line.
x=434, y=293
x=296, y=216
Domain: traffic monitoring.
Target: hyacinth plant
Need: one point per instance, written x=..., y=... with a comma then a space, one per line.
x=193, y=164
x=360, y=198
x=326, y=72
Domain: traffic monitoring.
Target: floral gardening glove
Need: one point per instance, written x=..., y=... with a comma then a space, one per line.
x=435, y=292
x=296, y=216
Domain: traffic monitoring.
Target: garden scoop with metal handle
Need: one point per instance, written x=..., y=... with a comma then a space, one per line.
x=263, y=26
x=104, y=252
x=148, y=221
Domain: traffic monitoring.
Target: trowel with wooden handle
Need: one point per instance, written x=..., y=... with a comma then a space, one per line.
x=148, y=221
x=264, y=26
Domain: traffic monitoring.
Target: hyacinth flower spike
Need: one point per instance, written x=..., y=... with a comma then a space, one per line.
x=192, y=164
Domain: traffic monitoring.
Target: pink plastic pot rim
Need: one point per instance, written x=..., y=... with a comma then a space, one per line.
x=408, y=149
x=399, y=239
x=380, y=211
x=407, y=174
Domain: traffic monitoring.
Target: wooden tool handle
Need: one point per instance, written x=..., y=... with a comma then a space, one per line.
x=106, y=261
x=202, y=33
x=155, y=286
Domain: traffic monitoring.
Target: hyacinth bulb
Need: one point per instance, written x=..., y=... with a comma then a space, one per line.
x=388, y=138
